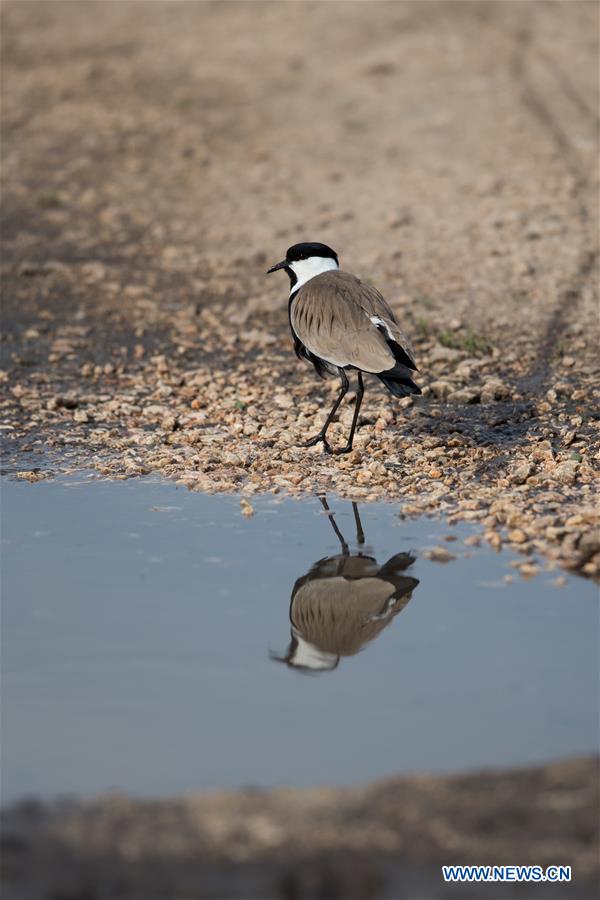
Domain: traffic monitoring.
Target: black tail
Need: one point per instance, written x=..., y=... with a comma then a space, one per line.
x=399, y=382
x=396, y=565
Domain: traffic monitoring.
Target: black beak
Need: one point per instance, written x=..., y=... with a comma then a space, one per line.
x=280, y=265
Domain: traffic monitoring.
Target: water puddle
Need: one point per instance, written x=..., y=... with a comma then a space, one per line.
x=157, y=641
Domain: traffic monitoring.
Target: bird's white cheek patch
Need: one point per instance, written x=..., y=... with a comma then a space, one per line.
x=305, y=269
x=311, y=657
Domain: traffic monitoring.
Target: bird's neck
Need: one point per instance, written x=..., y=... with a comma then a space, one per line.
x=305, y=269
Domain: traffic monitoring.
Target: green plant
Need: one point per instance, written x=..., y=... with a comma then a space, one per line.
x=49, y=200
x=422, y=326
x=467, y=340
x=448, y=339
x=476, y=343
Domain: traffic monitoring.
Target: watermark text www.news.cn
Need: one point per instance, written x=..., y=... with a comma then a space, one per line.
x=506, y=873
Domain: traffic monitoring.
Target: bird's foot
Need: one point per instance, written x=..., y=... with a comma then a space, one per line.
x=339, y=450
x=317, y=439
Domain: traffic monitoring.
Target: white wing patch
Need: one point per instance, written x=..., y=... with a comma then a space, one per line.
x=380, y=323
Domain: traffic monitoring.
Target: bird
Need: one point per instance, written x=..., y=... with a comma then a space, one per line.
x=339, y=324
x=343, y=602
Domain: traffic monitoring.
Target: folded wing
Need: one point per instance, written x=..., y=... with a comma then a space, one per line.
x=348, y=323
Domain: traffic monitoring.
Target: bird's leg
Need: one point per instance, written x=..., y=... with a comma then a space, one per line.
x=359, y=395
x=321, y=436
x=340, y=536
x=360, y=535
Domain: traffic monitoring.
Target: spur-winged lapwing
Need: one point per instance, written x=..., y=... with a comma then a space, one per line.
x=343, y=603
x=341, y=323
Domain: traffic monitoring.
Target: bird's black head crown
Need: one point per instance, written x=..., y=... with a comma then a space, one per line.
x=310, y=248
x=297, y=267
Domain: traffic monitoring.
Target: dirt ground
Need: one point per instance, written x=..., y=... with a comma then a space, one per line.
x=158, y=156
x=386, y=840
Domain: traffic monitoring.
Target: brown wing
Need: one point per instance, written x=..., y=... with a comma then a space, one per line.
x=347, y=323
x=376, y=307
x=340, y=616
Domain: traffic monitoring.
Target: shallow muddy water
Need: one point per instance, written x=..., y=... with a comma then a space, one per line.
x=147, y=645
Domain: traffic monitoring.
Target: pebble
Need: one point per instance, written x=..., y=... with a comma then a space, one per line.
x=246, y=508
x=465, y=396
x=441, y=389
x=494, y=540
x=566, y=472
x=528, y=570
x=494, y=390
x=521, y=473
x=438, y=554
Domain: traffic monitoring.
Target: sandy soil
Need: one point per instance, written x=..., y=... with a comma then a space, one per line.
x=158, y=156
x=387, y=840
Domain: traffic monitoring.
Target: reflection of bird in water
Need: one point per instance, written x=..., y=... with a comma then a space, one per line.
x=343, y=602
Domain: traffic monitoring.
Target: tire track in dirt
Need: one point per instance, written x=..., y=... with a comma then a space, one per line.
x=537, y=105
x=569, y=89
